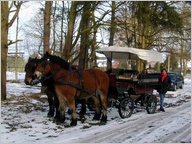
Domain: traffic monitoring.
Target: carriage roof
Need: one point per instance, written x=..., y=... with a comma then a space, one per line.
x=117, y=52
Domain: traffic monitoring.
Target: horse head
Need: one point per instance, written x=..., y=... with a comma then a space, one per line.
x=43, y=68
x=30, y=69
x=50, y=64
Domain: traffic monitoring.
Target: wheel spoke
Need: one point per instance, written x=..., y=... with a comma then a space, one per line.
x=126, y=108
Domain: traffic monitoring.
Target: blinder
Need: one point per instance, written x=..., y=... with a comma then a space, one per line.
x=31, y=66
x=45, y=63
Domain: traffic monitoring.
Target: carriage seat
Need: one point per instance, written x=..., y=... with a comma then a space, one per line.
x=128, y=74
x=150, y=78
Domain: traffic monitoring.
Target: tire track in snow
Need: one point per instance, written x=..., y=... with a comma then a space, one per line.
x=134, y=130
x=179, y=135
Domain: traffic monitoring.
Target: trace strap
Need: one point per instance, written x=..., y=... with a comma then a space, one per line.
x=73, y=85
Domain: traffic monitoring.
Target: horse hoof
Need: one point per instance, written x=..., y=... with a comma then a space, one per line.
x=62, y=120
x=50, y=115
x=97, y=116
x=104, y=119
x=102, y=123
x=73, y=122
x=59, y=119
x=82, y=118
x=56, y=119
x=58, y=123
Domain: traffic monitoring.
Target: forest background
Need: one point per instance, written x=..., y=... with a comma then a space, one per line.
x=73, y=30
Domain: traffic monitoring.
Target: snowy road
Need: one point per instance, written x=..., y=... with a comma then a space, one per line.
x=147, y=128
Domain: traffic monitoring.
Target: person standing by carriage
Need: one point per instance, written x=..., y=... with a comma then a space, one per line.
x=164, y=81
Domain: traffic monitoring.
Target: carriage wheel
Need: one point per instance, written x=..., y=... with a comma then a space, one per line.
x=126, y=107
x=151, y=104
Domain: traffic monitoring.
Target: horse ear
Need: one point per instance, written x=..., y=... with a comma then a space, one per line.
x=29, y=59
x=46, y=55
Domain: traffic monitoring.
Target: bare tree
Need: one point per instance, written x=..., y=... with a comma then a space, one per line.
x=111, y=31
x=47, y=23
x=69, y=38
x=6, y=9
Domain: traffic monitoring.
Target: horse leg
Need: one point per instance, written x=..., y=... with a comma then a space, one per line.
x=71, y=105
x=50, y=101
x=103, y=97
x=83, y=110
x=83, y=107
x=62, y=107
x=56, y=104
x=97, y=108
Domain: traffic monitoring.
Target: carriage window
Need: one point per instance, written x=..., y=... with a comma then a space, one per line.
x=124, y=64
x=124, y=69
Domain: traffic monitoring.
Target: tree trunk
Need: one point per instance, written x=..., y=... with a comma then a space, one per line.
x=85, y=41
x=47, y=22
x=184, y=67
x=61, y=35
x=5, y=24
x=112, y=32
x=69, y=37
x=94, y=44
x=113, y=26
x=143, y=29
x=4, y=46
x=53, y=47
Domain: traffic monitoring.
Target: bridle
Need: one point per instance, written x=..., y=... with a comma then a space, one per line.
x=46, y=62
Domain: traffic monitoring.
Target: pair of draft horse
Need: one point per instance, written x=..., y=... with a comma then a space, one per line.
x=69, y=84
x=48, y=85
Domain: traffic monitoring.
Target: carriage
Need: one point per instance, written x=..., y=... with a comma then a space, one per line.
x=126, y=90
x=66, y=85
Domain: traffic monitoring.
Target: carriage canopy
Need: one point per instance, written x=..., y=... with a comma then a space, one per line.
x=117, y=52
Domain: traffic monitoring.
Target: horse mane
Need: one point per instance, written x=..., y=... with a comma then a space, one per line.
x=55, y=59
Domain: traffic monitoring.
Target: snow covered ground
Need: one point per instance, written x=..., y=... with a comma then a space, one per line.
x=23, y=120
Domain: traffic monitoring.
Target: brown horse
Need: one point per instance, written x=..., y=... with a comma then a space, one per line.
x=73, y=84
x=48, y=85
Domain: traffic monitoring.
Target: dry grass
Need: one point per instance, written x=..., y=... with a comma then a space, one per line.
x=26, y=104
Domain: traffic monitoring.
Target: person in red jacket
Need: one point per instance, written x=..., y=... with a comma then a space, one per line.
x=164, y=81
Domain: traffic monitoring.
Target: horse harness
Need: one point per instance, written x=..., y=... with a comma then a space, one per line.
x=80, y=86
x=70, y=83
